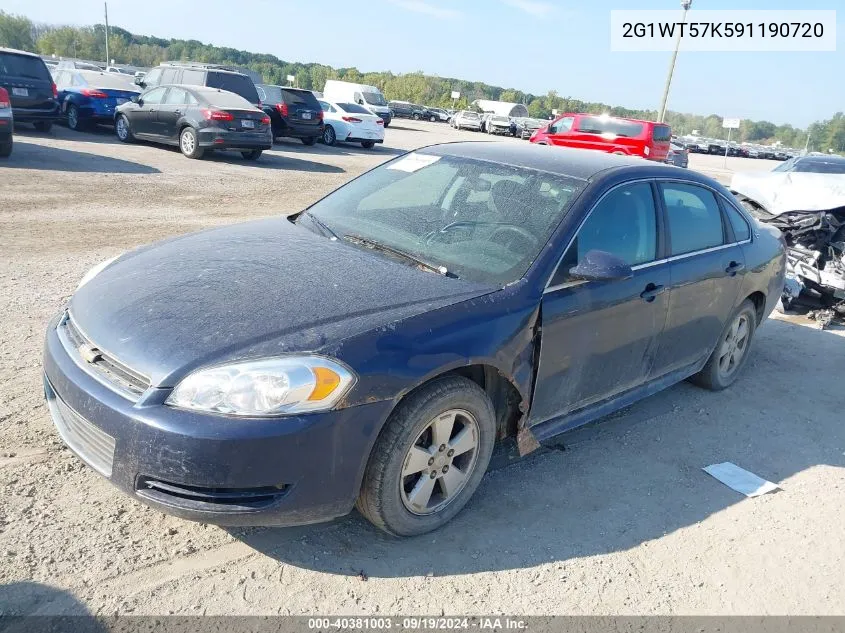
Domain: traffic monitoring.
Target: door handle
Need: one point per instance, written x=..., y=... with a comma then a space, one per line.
x=177, y=112
x=734, y=267
x=651, y=291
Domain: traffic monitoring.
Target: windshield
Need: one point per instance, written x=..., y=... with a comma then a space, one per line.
x=374, y=98
x=820, y=166
x=110, y=81
x=481, y=221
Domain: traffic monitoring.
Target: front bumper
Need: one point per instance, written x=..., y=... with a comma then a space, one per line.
x=211, y=468
x=219, y=138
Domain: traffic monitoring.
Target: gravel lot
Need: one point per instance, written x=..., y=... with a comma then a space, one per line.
x=623, y=521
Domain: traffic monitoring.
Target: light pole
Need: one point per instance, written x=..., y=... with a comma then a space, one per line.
x=686, y=4
x=106, y=6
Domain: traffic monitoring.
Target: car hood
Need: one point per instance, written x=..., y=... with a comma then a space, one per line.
x=250, y=290
x=781, y=192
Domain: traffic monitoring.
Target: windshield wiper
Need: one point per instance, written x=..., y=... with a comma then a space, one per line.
x=326, y=230
x=378, y=246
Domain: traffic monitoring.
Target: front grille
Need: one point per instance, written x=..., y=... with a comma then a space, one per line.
x=94, y=446
x=209, y=499
x=107, y=369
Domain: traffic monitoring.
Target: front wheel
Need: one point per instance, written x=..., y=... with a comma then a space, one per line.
x=432, y=118
x=731, y=352
x=189, y=144
x=122, y=129
x=254, y=154
x=329, y=136
x=367, y=144
x=416, y=116
x=309, y=140
x=429, y=458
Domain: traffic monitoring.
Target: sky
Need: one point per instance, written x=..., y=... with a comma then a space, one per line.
x=530, y=45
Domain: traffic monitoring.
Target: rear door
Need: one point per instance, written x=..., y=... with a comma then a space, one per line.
x=28, y=82
x=170, y=111
x=707, y=272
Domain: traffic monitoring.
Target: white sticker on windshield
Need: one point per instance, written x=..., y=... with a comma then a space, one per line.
x=414, y=162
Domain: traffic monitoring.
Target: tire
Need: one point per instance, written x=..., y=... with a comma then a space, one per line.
x=416, y=116
x=254, y=154
x=367, y=144
x=189, y=143
x=387, y=124
x=310, y=140
x=386, y=495
x=122, y=129
x=432, y=118
x=6, y=149
x=43, y=126
x=73, y=121
x=713, y=376
x=329, y=135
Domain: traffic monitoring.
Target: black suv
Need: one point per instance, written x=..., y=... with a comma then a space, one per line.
x=403, y=109
x=293, y=112
x=31, y=89
x=194, y=74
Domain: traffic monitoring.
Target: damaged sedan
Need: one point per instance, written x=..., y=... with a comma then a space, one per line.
x=805, y=199
x=371, y=350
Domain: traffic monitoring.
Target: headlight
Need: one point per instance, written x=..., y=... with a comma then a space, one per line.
x=96, y=270
x=265, y=387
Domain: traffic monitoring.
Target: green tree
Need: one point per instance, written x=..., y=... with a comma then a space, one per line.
x=16, y=32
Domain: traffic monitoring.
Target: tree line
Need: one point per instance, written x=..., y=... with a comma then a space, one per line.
x=88, y=42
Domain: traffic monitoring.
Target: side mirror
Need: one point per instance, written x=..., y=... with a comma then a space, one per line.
x=601, y=266
x=136, y=99
x=360, y=102
x=139, y=81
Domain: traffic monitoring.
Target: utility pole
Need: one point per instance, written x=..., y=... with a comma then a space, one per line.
x=108, y=59
x=686, y=4
x=807, y=144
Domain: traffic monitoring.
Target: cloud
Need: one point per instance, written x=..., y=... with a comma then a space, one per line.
x=426, y=8
x=534, y=7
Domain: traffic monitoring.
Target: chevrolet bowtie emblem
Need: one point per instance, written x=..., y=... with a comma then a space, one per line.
x=89, y=353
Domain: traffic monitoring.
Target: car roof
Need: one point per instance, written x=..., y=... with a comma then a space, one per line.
x=3, y=49
x=824, y=158
x=563, y=161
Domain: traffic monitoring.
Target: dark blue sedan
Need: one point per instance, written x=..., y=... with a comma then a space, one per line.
x=88, y=97
x=372, y=349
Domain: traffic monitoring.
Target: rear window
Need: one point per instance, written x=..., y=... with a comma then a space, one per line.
x=300, y=97
x=13, y=65
x=661, y=134
x=239, y=84
x=354, y=108
x=225, y=99
x=607, y=125
x=112, y=81
x=469, y=115
x=269, y=94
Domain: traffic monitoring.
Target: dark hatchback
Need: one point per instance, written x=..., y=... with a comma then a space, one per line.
x=196, y=119
x=293, y=112
x=373, y=348
x=31, y=89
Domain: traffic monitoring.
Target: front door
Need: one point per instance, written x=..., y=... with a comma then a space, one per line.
x=708, y=270
x=599, y=338
x=144, y=119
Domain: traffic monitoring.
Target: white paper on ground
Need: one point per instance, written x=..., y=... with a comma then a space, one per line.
x=740, y=479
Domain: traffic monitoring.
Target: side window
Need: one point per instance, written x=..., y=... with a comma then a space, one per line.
x=739, y=224
x=169, y=76
x=193, y=77
x=261, y=94
x=623, y=223
x=77, y=81
x=153, y=78
x=175, y=96
x=190, y=99
x=154, y=97
x=695, y=222
x=562, y=125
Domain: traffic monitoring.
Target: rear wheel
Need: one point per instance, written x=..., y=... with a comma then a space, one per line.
x=432, y=118
x=189, y=144
x=329, y=136
x=416, y=116
x=6, y=148
x=73, y=120
x=122, y=129
x=731, y=352
x=367, y=144
x=429, y=458
x=43, y=126
x=254, y=154
x=309, y=140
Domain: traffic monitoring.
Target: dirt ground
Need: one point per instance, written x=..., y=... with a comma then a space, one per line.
x=623, y=521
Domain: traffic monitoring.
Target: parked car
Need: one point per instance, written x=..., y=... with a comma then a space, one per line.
x=466, y=120
x=524, y=127
x=88, y=97
x=197, y=119
x=32, y=92
x=678, y=155
x=369, y=97
x=631, y=137
x=407, y=110
x=442, y=115
x=351, y=123
x=7, y=125
x=497, y=124
x=373, y=348
x=196, y=74
x=76, y=64
x=293, y=112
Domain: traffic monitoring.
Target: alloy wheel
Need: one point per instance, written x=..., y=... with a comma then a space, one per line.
x=122, y=129
x=188, y=143
x=734, y=345
x=440, y=462
x=73, y=118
